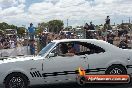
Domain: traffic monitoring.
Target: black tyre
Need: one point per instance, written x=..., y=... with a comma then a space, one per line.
x=130, y=83
x=16, y=80
x=81, y=81
x=116, y=69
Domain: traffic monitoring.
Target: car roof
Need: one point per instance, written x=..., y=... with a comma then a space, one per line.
x=79, y=40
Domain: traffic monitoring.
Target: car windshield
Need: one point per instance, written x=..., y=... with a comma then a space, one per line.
x=45, y=49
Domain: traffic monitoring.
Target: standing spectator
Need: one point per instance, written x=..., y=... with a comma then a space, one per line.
x=15, y=40
x=49, y=38
x=107, y=23
x=68, y=35
x=32, y=47
x=31, y=31
x=62, y=35
x=12, y=44
x=107, y=20
x=43, y=40
x=61, y=32
x=39, y=42
x=86, y=26
x=110, y=40
x=88, y=33
x=6, y=44
x=72, y=36
x=91, y=26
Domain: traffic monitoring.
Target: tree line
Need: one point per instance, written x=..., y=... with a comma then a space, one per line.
x=4, y=25
x=52, y=26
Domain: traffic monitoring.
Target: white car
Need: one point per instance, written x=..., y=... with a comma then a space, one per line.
x=57, y=64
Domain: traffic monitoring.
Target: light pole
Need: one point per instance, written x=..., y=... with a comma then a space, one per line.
x=67, y=22
x=130, y=27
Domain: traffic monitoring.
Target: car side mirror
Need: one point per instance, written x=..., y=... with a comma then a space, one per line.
x=52, y=55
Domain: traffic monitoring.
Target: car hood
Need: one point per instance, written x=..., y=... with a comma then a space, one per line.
x=15, y=59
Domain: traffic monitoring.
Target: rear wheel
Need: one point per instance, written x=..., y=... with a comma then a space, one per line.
x=16, y=80
x=116, y=69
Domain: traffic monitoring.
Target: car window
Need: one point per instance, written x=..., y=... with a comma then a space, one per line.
x=79, y=48
x=65, y=49
x=59, y=49
x=88, y=48
x=45, y=49
x=62, y=49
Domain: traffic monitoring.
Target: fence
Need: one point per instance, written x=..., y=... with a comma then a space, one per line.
x=15, y=51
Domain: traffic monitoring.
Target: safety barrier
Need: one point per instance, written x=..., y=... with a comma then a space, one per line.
x=19, y=51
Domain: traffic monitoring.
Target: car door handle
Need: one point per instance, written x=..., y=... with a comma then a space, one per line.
x=83, y=57
x=128, y=59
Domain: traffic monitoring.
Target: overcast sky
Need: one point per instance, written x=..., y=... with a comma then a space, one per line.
x=23, y=12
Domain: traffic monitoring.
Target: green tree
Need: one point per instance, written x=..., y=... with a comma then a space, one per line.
x=101, y=25
x=130, y=26
x=4, y=26
x=55, y=26
x=37, y=31
x=41, y=27
x=21, y=31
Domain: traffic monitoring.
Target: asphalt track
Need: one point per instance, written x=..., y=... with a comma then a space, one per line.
x=74, y=85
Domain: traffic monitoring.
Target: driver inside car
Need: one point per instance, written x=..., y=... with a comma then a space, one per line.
x=71, y=50
x=66, y=50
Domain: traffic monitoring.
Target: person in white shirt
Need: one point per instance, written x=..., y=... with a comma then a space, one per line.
x=12, y=44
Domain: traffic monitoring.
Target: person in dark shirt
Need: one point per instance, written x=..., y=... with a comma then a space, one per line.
x=91, y=26
x=110, y=40
x=107, y=20
x=66, y=50
x=63, y=49
x=86, y=26
x=107, y=23
x=43, y=40
x=88, y=33
x=68, y=35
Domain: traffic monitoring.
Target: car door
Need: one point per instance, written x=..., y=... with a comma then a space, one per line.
x=57, y=68
x=34, y=67
x=97, y=59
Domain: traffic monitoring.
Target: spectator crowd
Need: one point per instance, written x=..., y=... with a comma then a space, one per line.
x=8, y=42
x=112, y=37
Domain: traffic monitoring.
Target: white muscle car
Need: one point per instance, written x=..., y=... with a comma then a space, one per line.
x=59, y=60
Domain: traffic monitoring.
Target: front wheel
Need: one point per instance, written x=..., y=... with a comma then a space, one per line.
x=16, y=80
